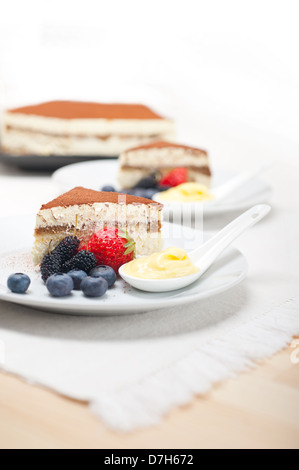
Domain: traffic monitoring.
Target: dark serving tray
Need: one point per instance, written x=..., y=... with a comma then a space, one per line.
x=46, y=163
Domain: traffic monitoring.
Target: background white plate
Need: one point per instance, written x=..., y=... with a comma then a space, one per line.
x=15, y=244
x=94, y=175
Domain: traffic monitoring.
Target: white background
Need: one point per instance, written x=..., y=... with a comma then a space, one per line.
x=228, y=73
x=192, y=60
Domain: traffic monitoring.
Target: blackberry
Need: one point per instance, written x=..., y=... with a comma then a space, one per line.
x=149, y=181
x=84, y=260
x=67, y=248
x=51, y=264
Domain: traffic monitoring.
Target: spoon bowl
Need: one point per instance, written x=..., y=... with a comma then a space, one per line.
x=203, y=256
x=158, y=285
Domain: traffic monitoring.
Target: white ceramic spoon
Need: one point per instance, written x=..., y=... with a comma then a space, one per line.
x=204, y=255
x=221, y=192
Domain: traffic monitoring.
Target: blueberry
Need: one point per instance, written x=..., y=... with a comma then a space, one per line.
x=94, y=286
x=139, y=192
x=149, y=181
x=18, y=283
x=148, y=193
x=127, y=191
x=77, y=276
x=144, y=192
x=106, y=272
x=163, y=188
x=60, y=285
x=108, y=188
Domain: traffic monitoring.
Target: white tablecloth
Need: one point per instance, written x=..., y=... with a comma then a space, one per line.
x=133, y=369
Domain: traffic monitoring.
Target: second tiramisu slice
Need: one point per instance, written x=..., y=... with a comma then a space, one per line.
x=161, y=158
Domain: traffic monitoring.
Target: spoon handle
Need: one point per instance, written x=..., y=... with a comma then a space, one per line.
x=204, y=256
x=226, y=188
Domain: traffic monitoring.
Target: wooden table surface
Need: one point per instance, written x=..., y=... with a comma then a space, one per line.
x=257, y=409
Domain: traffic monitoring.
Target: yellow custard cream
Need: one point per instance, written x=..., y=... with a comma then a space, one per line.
x=187, y=192
x=172, y=262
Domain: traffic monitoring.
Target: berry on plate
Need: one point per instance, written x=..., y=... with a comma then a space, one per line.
x=67, y=248
x=112, y=247
x=60, y=285
x=163, y=187
x=51, y=264
x=175, y=177
x=106, y=272
x=18, y=283
x=83, y=260
x=148, y=193
x=138, y=192
x=108, y=188
x=149, y=181
x=77, y=276
x=94, y=286
x=142, y=192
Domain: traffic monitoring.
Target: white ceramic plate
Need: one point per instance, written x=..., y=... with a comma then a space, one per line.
x=94, y=175
x=15, y=243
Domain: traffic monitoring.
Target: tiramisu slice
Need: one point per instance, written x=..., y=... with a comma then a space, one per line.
x=162, y=157
x=80, y=128
x=90, y=211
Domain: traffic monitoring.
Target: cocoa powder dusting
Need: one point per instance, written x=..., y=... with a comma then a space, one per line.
x=80, y=195
x=85, y=110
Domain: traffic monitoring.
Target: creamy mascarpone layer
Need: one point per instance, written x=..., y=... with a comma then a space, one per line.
x=122, y=213
x=22, y=142
x=166, y=156
x=88, y=126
